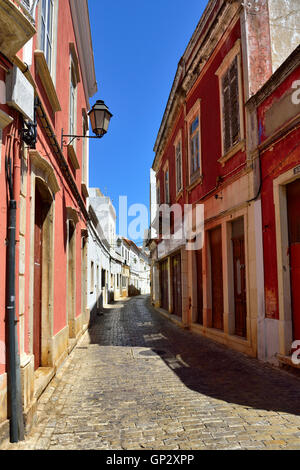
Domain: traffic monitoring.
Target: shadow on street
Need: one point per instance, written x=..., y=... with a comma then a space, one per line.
x=202, y=365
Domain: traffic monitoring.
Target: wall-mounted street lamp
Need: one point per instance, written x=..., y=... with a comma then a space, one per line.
x=100, y=117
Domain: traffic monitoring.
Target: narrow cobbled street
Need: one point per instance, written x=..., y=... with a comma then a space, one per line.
x=137, y=381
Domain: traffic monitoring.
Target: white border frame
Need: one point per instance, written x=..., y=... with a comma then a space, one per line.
x=193, y=112
x=283, y=259
x=178, y=140
x=54, y=32
x=166, y=168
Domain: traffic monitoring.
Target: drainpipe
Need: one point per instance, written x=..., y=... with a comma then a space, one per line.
x=15, y=397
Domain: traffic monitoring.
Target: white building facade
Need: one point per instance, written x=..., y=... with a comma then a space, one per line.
x=116, y=267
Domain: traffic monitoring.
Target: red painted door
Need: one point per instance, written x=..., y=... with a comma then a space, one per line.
x=293, y=206
x=177, y=297
x=216, y=277
x=164, y=290
x=199, y=287
x=239, y=273
x=37, y=304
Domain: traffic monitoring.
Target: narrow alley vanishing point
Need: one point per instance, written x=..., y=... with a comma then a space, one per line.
x=137, y=381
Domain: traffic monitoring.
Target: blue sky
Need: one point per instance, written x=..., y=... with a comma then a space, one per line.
x=137, y=46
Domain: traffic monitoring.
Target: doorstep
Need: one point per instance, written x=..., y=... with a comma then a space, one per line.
x=4, y=433
x=71, y=345
x=287, y=360
x=42, y=378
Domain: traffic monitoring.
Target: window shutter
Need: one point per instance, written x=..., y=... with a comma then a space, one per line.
x=167, y=198
x=177, y=169
x=234, y=102
x=226, y=112
x=192, y=156
x=26, y=4
x=197, y=163
x=179, y=166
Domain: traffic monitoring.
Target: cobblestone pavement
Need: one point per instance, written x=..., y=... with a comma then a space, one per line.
x=137, y=381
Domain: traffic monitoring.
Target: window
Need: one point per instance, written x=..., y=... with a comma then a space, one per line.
x=231, y=112
x=194, y=142
x=167, y=187
x=178, y=163
x=46, y=42
x=194, y=146
x=158, y=201
x=230, y=85
x=85, y=129
x=73, y=93
x=158, y=193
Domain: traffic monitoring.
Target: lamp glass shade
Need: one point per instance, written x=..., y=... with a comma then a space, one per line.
x=100, y=117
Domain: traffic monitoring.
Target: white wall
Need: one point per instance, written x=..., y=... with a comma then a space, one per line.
x=101, y=259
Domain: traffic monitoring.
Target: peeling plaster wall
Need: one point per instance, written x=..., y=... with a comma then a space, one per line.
x=284, y=29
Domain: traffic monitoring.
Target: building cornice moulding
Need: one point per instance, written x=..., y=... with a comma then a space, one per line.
x=199, y=29
x=72, y=214
x=44, y=169
x=47, y=81
x=5, y=119
x=181, y=69
x=279, y=76
x=227, y=15
x=15, y=28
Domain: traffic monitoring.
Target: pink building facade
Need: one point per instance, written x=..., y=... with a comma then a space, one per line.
x=47, y=77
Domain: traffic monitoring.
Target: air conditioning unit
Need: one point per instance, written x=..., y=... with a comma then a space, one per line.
x=20, y=93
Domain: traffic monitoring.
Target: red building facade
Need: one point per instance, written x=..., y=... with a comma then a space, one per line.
x=278, y=113
x=48, y=78
x=206, y=153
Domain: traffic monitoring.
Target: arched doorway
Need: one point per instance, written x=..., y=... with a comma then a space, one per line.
x=44, y=186
x=71, y=288
x=42, y=235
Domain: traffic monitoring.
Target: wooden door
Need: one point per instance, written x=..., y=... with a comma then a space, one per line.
x=293, y=207
x=164, y=285
x=239, y=273
x=199, y=318
x=216, y=277
x=176, y=278
x=37, y=304
x=71, y=294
